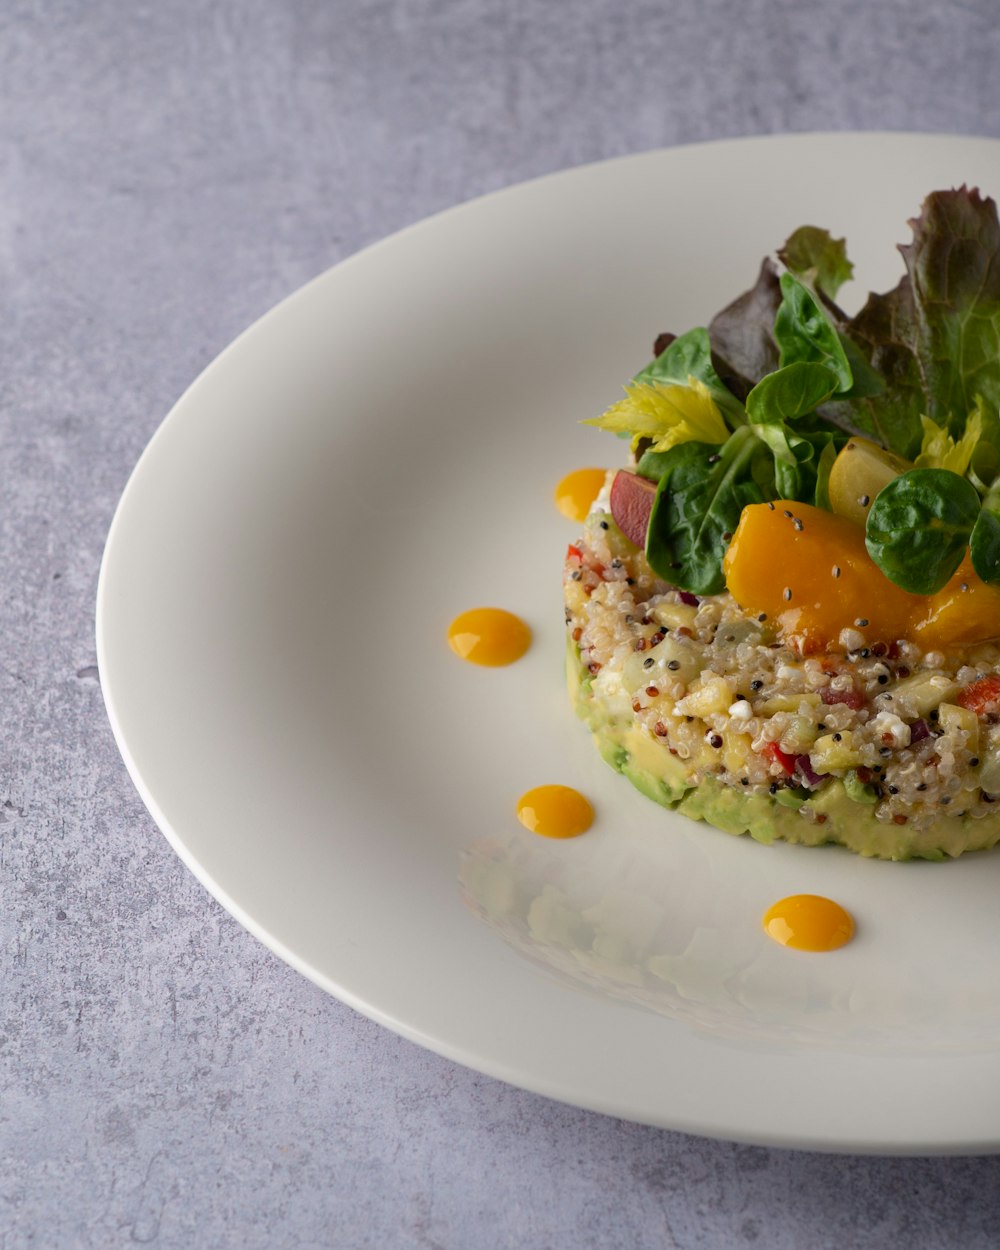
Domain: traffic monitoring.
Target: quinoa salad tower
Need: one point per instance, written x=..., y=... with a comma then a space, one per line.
x=704, y=708
x=784, y=617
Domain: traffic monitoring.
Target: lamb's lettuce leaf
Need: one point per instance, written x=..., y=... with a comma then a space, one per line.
x=791, y=392
x=918, y=528
x=805, y=334
x=819, y=259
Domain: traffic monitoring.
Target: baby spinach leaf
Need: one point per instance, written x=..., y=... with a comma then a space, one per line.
x=815, y=452
x=791, y=392
x=653, y=464
x=778, y=438
x=802, y=461
x=919, y=526
x=984, y=545
x=819, y=259
x=804, y=332
x=702, y=491
x=792, y=477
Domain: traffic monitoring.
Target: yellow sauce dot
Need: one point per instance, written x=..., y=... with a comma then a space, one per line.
x=555, y=812
x=577, y=491
x=489, y=636
x=809, y=922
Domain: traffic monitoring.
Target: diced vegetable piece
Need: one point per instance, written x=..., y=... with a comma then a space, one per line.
x=852, y=698
x=989, y=772
x=804, y=768
x=712, y=695
x=673, y=659
x=749, y=630
x=788, y=703
x=860, y=471
x=981, y=696
x=792, y=796
x=834, y=751
x=953, y=718
x=736, y=751
x=674, y=615
x=920, y=694
x=774, y=753
x=858, y=790
x=631, y=504
x=799, y=735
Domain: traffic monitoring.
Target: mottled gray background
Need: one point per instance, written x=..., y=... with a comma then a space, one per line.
x=167, y=172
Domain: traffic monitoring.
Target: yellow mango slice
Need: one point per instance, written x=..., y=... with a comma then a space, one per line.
x=860, y=471
x=967, y=610
x=810, y=572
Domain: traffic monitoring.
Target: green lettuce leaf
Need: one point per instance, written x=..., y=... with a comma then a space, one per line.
x=954, y=269
x=819, y=259
x=935, y=338
x=742, y=334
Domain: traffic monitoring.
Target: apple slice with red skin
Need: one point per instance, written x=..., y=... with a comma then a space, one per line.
x=631, y=504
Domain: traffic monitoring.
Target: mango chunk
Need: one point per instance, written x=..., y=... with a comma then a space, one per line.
x=860, y=471
x=967, y=610
x=810, y=572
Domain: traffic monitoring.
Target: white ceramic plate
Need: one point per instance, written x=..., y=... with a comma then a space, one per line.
x=376, y=455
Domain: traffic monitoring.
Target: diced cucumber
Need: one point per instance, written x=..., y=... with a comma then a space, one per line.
x=789, y=703
x=799, y=735
x=989, y=772
x=955, y=719
x=791, y=796
x=673, y=658
x=922, y=693
x=674, y=615
x=858, y=790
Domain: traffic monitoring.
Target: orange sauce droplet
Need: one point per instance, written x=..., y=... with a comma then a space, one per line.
x=577, y=491
x=555, y=811
x=489, y=636
x=809, y=922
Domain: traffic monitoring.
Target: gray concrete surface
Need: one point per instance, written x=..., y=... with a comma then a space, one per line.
x=167, y=172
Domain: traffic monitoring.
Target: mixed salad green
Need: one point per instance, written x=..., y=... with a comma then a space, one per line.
x=758, y=405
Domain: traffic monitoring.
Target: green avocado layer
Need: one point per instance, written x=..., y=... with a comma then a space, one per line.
x=644, y=759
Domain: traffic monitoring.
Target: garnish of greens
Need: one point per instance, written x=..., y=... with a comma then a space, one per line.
x=757, y=406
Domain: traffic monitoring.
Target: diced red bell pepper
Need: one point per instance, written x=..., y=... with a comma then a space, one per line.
x=777, y=756
x=572, y=552
x=980, y=696
x=854, y=698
